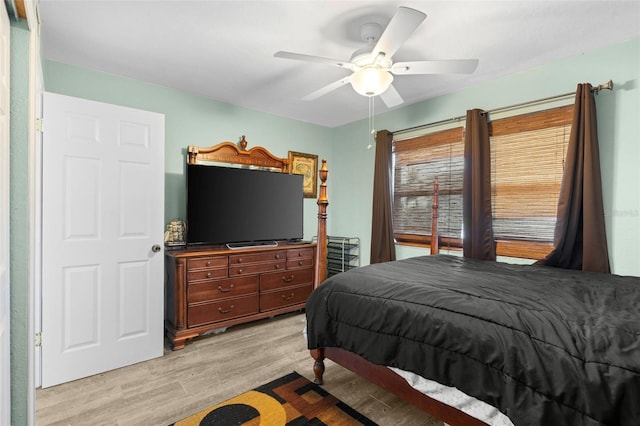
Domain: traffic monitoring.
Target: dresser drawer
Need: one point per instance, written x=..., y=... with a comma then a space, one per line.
x=221, y=289
x=285, y=297
x=256, y=268
x=282, y=279
x=207, y=262
x=222, y=310
x=270, y=256
x=300, y=253
x=299, y=263
x=206, y=274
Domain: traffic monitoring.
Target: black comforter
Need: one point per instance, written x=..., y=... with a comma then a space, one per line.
x=546, y=346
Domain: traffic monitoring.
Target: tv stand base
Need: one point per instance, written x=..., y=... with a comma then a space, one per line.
x=250, y=244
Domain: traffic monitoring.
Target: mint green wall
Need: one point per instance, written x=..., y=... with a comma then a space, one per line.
x=194, y=120
x=618, y=132
x=19, y=222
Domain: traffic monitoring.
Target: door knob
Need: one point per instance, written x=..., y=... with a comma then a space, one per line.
x=156, y=248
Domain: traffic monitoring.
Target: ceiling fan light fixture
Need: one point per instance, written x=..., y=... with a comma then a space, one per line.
x=371, y=81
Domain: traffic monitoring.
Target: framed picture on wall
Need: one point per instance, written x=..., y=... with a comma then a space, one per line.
x=307, y=166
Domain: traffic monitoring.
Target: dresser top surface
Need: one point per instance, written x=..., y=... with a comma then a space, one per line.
x=221, y=250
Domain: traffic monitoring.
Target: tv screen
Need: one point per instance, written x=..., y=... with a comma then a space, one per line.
x=233, y=205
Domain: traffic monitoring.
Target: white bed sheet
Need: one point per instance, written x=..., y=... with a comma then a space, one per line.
x=455, y=398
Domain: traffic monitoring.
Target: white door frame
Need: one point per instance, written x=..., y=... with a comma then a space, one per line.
x=36, y=254
x=34, y=113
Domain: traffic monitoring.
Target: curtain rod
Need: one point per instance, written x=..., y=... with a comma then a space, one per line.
x=608, y=85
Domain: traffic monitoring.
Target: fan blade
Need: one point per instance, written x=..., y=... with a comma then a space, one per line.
x=401, y=26
x=316, y=59
x=326, y=89
x=450, y=66
x=391, y=97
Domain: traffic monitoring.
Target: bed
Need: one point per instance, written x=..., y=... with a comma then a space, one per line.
x=545, y=346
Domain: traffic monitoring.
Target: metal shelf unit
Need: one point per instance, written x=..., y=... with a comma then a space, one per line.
x=343, y=253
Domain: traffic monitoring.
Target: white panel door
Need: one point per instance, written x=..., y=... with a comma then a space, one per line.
x=103, y=208
x=5, y=350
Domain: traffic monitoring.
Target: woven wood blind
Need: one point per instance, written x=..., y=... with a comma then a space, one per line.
x=528, y=153
x=417, y=162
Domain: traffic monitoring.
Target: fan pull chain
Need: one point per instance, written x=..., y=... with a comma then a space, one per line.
x=371, y=121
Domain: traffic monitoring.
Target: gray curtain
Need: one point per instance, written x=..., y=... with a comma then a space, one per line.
x=383, y=248
x=477, y=242
x=580, y=240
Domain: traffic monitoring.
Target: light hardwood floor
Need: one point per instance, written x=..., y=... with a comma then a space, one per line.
x=209, y=370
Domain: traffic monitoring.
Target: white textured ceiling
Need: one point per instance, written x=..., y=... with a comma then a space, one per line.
x=224, y=49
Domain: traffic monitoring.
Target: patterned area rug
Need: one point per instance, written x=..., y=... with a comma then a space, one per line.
x=291, y=400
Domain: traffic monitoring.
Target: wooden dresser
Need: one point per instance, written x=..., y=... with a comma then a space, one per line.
x=208, y=288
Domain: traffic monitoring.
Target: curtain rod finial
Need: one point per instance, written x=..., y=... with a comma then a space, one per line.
x=608, y=85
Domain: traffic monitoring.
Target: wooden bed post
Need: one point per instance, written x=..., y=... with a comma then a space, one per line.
x=318, y=365
x=435, y=244
x=321, y=249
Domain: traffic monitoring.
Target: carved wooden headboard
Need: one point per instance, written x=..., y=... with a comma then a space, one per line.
x=231, y=153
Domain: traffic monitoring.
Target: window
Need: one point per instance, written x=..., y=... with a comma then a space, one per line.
x=417, y=162
x=527, y=162
x=527, y=151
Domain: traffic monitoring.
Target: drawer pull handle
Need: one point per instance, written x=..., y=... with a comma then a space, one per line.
x=225, y=290
x=289, y=297
x=240, y=271
x=208, y=263
x=300, y=263
x=240, y=260
x=278, y=256
x=299, y=253
x=208, y=274
x=225, y=311
x=288, y=280
x=278, y=266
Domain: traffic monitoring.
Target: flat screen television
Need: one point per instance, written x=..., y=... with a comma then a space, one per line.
x=237, y=205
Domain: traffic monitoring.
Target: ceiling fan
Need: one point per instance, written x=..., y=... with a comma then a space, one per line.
x=373, y=67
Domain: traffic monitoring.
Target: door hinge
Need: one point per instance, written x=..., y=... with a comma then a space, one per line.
x=38, y=339
x=39, y=124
